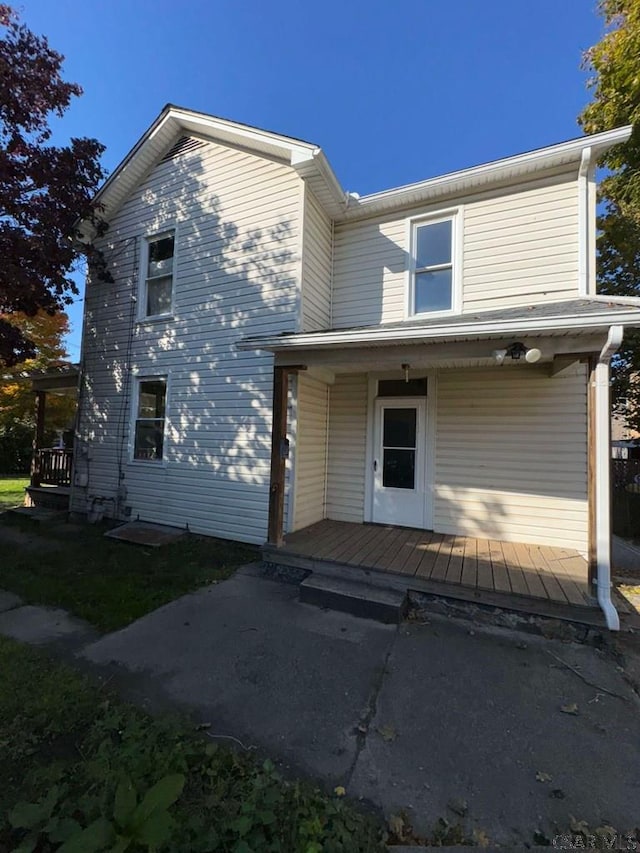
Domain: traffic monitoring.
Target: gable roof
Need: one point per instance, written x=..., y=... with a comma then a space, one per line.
x=174, y=122
x=575, y=316
x=311, y=164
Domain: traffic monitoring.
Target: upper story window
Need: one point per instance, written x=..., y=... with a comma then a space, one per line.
x=150, y=419
x=158, y=269
x=432, y=266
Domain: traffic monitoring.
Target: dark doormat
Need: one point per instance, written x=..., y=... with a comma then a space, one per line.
x=145, y=533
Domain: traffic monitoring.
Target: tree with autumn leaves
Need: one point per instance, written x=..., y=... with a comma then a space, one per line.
x=44, y=188
x=615, y=85
x=17, y=412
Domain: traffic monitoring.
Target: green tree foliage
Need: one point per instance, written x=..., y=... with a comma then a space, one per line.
x=615, y=86
x=44, y=189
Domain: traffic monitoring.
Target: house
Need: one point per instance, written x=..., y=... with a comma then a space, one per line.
x=625, y=440
x=279, y=361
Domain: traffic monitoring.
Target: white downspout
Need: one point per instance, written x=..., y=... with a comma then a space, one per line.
x=603, y=467
x=584, y=223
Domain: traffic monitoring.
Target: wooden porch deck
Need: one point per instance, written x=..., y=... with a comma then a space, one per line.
x=534, y=571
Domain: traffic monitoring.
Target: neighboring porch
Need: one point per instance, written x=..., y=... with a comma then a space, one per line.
x=52, y=466
x=484, y=570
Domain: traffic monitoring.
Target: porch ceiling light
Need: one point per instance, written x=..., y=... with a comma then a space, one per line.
x=516, y=351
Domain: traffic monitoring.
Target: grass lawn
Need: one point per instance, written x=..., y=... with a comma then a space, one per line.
x=12, y=491
x=106, y=582
x=82, y=770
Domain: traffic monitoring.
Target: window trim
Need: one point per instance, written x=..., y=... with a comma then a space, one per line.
x=139, y=378
x=455, y=216
x=146, y=240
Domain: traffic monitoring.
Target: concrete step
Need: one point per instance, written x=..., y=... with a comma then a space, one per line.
x=48, y=497
x=38, y=514
x=359, y=599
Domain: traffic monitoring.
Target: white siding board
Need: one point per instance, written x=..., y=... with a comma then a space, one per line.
x=311, y=451
x=237, y=269
x=520, y=246
x=511, y=456
x=316, y=266
x=347, y=448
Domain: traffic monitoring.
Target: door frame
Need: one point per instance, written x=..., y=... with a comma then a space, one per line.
x=414, y=499
x=430, y=449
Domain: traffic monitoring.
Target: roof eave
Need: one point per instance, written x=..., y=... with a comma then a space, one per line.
x=415, y=334
x=519, y=166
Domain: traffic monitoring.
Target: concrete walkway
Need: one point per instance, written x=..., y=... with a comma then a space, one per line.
x=443, y=719
x=43, y=626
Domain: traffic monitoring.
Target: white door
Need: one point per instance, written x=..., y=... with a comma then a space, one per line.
x=399, y=462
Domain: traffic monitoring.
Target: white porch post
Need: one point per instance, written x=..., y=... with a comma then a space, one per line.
x=603, y=477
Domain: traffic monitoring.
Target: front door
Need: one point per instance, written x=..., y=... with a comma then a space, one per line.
x=399, y=462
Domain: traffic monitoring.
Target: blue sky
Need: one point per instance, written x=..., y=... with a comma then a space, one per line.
x=394, y=91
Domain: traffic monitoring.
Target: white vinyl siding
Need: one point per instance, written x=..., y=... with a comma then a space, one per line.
x=519, y=247
x=347, y=447
x=237, y=218
x=369, y=273
x=316, y=266
x=311, y=451
x=511, y=455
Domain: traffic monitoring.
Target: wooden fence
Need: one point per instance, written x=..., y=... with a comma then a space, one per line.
x=625, y=497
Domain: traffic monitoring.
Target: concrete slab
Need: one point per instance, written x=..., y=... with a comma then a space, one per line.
x=436, y=719
x=38, y=513
x=44, y=626
x=261, y=667
x=145, y=533
x=9, y=600
x=359, y=599
x=472, y=716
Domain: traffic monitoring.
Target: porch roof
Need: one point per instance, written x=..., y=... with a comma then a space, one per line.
x=56, y=380
x=586, y=315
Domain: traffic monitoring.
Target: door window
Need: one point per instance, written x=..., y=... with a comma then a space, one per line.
x=399, y=429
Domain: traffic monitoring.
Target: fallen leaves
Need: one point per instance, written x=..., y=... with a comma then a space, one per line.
x=480, y=838
x=459, y=807
x=387, y=733
x=397, y=825
x=571, y=708
x=542, y=777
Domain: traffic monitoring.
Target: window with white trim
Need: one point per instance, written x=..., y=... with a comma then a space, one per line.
x=432, y=273
x=149, y=429
x=158, y=270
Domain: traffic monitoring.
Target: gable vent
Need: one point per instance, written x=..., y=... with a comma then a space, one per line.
x=184, y=144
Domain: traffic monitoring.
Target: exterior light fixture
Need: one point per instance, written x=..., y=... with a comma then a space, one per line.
x=406, y=367
x=517, y=351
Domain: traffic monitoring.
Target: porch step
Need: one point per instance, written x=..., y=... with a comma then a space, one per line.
x=48, y=497
x=359, y=599
x=37, y=514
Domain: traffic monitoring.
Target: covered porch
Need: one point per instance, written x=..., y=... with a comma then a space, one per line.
x=434, y=451
x=52, y=461
x=485, y=570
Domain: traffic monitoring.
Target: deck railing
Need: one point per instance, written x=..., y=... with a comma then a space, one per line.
x=52, y=467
